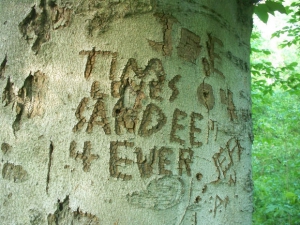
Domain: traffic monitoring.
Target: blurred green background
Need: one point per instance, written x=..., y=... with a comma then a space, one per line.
x=276, y=112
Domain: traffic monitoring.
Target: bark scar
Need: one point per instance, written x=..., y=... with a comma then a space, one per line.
x=51, y=148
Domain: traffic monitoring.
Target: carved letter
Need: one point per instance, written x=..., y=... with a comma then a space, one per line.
x=176, y=126
x=194, y=129
x=79, y=114
x=228, y=100
x=189, y=46
x=91, y=59
x=164, y=161
x=226, y=157
x=173, y=87
x=166, y=45
x=147, y=128
x=185, y=158
x=220, y=202
x=85, y=156
x=146, y=165
x=116, y=161
x=98, y=111
x=210, y=44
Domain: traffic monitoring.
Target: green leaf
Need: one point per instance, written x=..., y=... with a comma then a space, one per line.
x=270, y=208
x=293, y=64
x=290, y=196
x=295, y=4
x=267, y=52
x=261, y=10
x=275, y=6
x=275, y=34
x=255, y=50
x=255, y=35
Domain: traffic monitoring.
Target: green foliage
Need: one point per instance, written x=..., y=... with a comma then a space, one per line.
x=276, y=119
x=268, y=7
x=293, y=29
x=276, y=159
x=267, y=77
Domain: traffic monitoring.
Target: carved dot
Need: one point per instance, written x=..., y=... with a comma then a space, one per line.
x=60, y=206
x=205, y=94
x=199, y=176
x=118, y=111
x=5, y=147
x=198, y=199
x=51, y=4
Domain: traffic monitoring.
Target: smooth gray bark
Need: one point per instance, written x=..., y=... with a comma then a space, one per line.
x=125, y=112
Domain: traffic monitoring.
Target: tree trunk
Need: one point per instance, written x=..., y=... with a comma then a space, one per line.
x=125, y=112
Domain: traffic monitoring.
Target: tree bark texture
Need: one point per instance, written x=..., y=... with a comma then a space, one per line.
x=125, y=112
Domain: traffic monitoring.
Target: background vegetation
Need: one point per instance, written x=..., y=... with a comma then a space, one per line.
x=276, y=117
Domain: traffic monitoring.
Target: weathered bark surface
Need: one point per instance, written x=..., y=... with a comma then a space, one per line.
x=125, y=112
